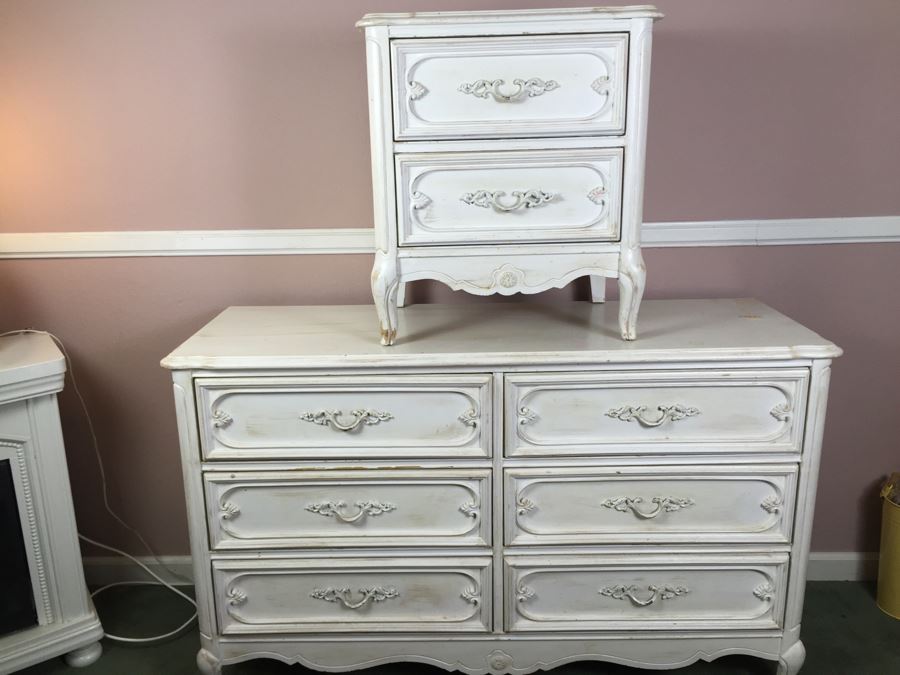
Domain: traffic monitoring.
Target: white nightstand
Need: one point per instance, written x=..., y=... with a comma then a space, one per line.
x=508, y=151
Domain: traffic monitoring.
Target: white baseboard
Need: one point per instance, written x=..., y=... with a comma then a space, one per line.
x=117, y=244
x=99, y=570
x=842, y=566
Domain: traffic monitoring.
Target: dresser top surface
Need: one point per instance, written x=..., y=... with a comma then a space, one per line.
x=324, y=336
x=493, y=16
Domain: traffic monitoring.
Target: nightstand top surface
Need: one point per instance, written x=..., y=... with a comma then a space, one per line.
x=494, y=333
x=493, y=16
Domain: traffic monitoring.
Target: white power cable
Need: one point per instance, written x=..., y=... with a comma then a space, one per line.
x=159, y=582
x=105, y=491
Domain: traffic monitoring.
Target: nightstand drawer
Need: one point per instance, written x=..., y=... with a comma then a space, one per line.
x=284, y=509
x=496, y=87
x=513, y=197
x=345, y=417
x=319, y=595
x=656, y=412
x=671, y=504
x=645, y=592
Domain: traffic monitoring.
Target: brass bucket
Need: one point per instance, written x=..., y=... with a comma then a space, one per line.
x=889, y=561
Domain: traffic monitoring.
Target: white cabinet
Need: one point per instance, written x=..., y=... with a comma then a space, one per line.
x=62, y=616
x=511, y=489
x=508, y=151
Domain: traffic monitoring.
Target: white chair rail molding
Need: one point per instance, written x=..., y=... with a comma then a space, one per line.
x=361, y=240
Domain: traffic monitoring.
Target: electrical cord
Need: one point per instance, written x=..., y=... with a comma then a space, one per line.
x=105, y=491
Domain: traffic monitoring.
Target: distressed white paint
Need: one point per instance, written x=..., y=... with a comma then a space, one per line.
x=270, y=418
x=581, y=505
x=442, y=197
x=284, y=595
x=435, y=94
x=348, y=508
x=737, y=588
x=685, y=411
x=650, y=592
x=445, y=76
x=31, y=374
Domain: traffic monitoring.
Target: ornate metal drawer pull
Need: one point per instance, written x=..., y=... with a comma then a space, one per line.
x=531, y=87
x=527, y=199
x=367, y=508
x=330, y=417
x=342, y=595
x=673, y=413
x=656, y=593
x=669, y=504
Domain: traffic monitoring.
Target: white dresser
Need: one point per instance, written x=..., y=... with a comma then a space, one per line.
x=510, y=488
x=508, y=151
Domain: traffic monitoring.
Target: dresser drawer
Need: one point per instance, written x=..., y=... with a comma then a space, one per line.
x=348, y=508
x=345, y=417
x=519, y=197
x=334, y=594
x=655, y=412
x=496, y=87
x=645, y=592
x=683, y=504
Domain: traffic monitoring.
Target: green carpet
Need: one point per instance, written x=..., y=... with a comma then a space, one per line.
x=843, y=630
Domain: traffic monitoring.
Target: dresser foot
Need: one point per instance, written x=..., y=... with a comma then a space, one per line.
x=401, y=294
x=632, y=279
x=208, y=664
x=598, y=289
x=385, y=285
x=792, y=660
x=84, y=656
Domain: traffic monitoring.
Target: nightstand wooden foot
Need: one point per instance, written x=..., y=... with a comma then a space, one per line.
x=598, y=289
x=632, y=279
x=385, y=285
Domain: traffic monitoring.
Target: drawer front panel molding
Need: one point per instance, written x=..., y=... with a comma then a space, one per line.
x=284, y=509
x=339, y=595
x=580, y=593
x=678, y=411
x=502, y=87
x=513, y=197
x=693, y=504
x=428, y=415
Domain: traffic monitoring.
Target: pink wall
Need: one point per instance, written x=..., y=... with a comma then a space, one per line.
x=228, y=114
x=182, y=114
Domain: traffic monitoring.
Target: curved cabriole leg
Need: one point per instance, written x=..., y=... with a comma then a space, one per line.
x=632, y=279
x=792, y=660
x=384, y=292
x=208, y=663
x=85, y=656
